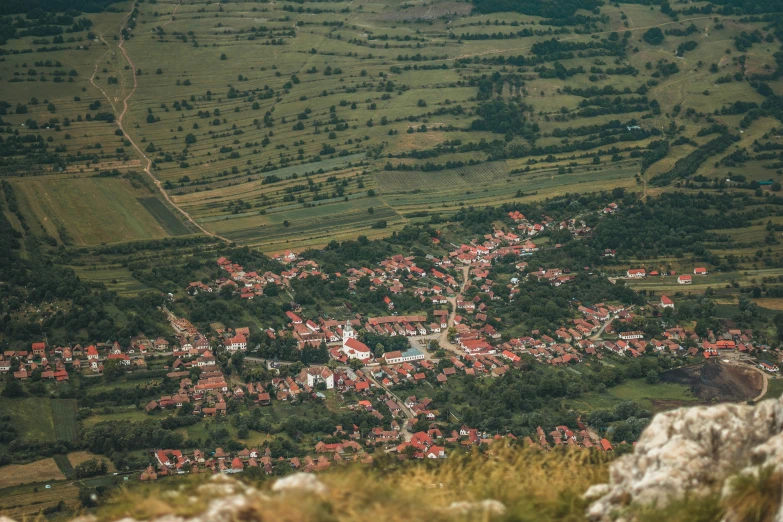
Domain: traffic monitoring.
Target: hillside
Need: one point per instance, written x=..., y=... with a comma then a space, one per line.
x=286, y=125
x=438, y=259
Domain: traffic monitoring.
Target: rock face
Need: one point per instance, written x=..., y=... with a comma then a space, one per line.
x=694, y=450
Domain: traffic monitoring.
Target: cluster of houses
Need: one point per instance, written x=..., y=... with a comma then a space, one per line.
x=565, y=436
x=55, y=363
x=683, y=279
x=176, y=462
x=207, y=397
x=249, y=284
x=425, y=444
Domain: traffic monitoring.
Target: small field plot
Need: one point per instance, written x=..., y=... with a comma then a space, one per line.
x=165, y=217
x=38, y=471
x=77, y=457
x=64, y=464
x=32, y=418
x=117, y=279
x=88, y=211
x=391, y=182
x=130, y=415
x=26, y=502
x=281, y=230
x=66, y=427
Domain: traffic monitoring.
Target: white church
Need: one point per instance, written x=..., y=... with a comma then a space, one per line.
x=352, y=347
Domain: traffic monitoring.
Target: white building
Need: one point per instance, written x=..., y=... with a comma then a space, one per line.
x=315, y=375
x=352, y=347
x=397, y=357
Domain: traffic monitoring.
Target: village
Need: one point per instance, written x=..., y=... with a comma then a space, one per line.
x=453, y=337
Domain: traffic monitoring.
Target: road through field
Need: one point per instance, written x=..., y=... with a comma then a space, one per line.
x=121, y=116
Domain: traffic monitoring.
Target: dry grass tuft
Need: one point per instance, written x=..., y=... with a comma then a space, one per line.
x=532, y=485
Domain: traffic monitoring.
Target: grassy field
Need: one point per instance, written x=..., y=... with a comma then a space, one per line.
x=26, y=502
x=650, y=396
x=307, y=134
x=131, y=415
x=77, y=457
x=65, y=465
x=32, y=417
x=35, y=472
x=91, y=211
x=66, y=426
x=774, y=389
x=170, y=223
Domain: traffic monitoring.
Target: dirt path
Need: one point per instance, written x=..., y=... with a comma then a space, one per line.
x=764, y=381
x=126, y=105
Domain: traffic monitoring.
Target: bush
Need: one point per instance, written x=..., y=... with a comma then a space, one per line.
x=653, y=36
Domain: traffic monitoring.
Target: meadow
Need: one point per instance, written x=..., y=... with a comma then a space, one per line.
x=280, y=126
x=32, y=417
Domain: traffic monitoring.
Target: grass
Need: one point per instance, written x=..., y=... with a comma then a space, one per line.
x=66, y=426
x=65, y=465
x=654, y=397
x=39, y=471
x=91, y=210
x=531, y=484
x=230, y=156
x=116, y=278
x=131, y=415
x=170, y=223
x=774, y=389
x=25, y=502
x=32, y=417
x=77, y=457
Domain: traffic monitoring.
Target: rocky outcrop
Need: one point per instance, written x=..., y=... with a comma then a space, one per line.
x=301, y=482
x=694, y=450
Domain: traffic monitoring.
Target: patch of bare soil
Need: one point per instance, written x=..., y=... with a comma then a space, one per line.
x=714, y=381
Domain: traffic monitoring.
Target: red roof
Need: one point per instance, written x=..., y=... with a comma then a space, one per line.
x=357, y=345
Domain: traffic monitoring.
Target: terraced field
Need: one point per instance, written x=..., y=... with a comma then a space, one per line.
x=253, y=115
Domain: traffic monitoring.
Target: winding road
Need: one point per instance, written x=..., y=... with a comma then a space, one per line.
x=121, y=117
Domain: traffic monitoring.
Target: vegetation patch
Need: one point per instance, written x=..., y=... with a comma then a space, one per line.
x=66, y=426
x=170, y=223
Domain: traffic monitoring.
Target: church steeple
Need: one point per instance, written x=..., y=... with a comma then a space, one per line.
x=348, y=332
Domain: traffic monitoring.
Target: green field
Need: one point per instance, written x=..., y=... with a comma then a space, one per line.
x=90, y=210
x=32, y=417
x=774, y=389
x=66, y=426
x=654, y=397
x=64, y=464
x=164, y=216
x=267, y=114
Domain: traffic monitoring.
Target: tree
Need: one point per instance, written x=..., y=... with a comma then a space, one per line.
x=653, y=36
x=13, y=389
x=190, y=139
x=652, y=377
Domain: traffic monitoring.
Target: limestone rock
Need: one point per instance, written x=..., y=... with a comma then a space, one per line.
x=487, y=507
x=303, y=482
x=693, y=450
